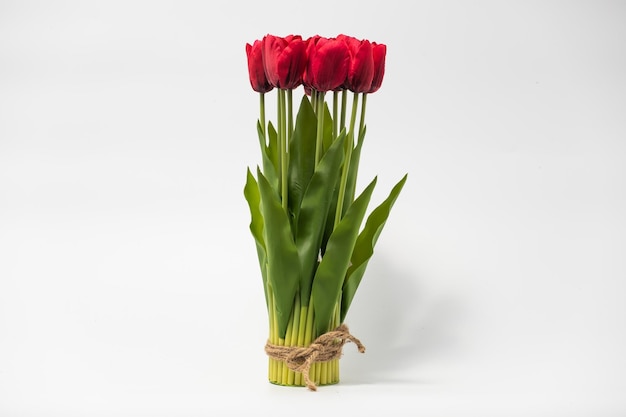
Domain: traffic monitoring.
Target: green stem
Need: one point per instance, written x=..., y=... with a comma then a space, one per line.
x=335, y=112
x=335, y=323
x=320, y=127
x=362, y=122
x=308, y=331
x=330, y=370
x=344, y=102
x=346, y=165
x=287, y=374
x=360, y=137
x=300, y=340
x=289, y=115
x=282, y=138
x=262, y=116
x=279, y=119
x=314, y=100
x=309, y=337
x=275, y=366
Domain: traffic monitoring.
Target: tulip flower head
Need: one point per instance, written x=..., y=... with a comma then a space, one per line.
x=284, y=60
x=361, y=69
x=328, y=63
x=256, y=71
x=378, y=51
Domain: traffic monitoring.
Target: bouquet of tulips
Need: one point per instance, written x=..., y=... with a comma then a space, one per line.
x=307, y=217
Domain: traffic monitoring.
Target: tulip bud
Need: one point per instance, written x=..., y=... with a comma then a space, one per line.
x=256, y=71
x=379, y=51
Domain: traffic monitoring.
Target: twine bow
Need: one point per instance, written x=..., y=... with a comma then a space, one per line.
x=323, y=349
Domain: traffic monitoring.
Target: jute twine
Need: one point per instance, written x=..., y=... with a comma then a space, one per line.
x=325, y=348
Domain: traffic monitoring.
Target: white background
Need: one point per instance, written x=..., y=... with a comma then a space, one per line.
x=129, y=284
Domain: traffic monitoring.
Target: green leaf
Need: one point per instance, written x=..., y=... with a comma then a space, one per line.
x=331, y=271
x=251, y=192
x=301, y=154
x=353, y=173
x=283, y=265
x=270, y=155
x=259, y=131
x=253, y=197
x=349, y=196
x=330, y=219
x=327, y=138
x=313, y=212
x=364, y=247
x=273, y=149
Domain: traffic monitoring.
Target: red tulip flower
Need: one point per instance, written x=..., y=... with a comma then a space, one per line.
x=310, y=44
x=256, y=71
x=379, y=52
x=284, y=60
x=328, y=63
x=361, y=70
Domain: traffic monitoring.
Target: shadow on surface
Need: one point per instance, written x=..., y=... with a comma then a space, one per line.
x=400, y=326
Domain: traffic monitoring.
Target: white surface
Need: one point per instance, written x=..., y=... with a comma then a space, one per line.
x=128, y=279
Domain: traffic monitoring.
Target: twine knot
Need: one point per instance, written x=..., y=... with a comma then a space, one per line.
x=325, y=348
